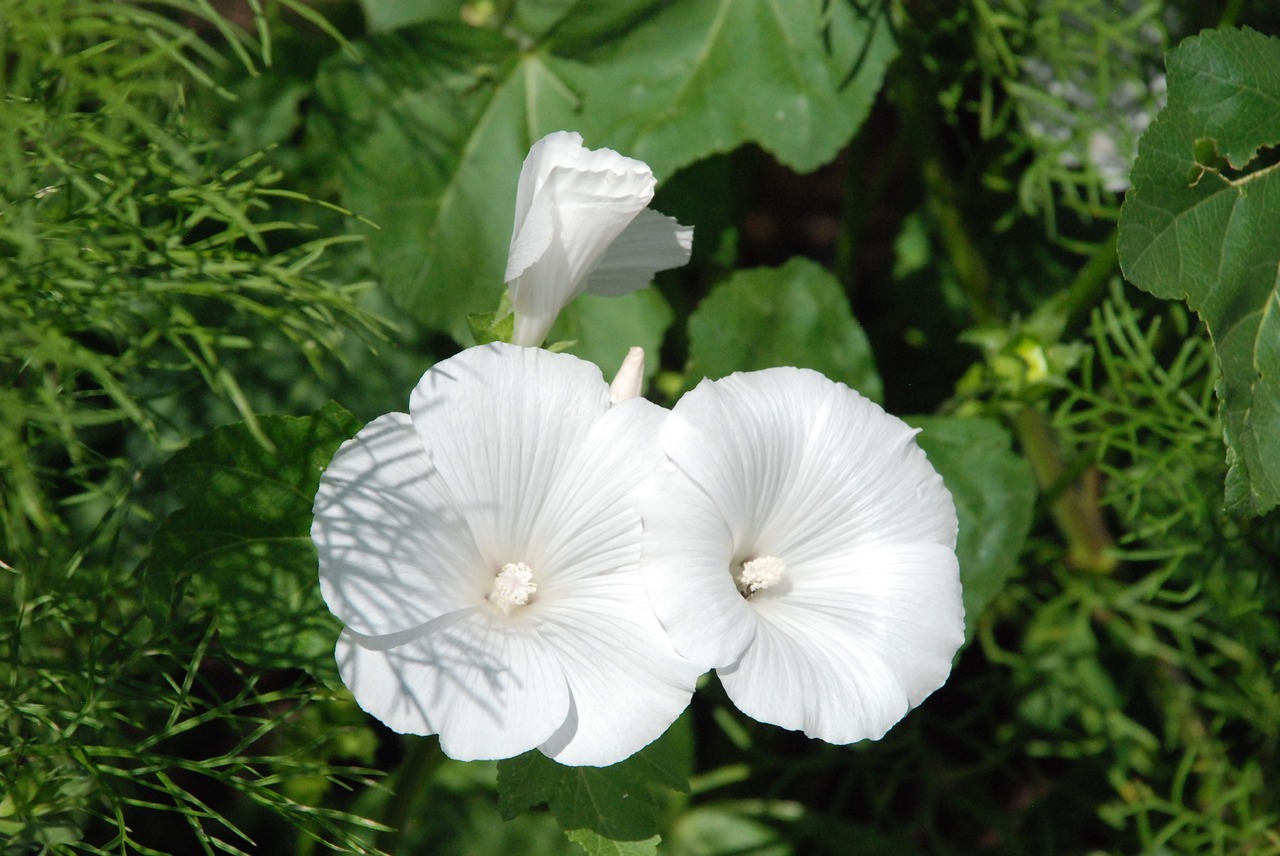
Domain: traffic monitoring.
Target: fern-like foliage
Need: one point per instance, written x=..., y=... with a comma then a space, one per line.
x=135, y=265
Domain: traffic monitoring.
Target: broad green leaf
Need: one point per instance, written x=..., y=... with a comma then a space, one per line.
x=597, y=845
x=620, y=803
x=995, y=495
x=602, y=329
x=566, y=21
x=1201, y=225
x=431, y=122
x=700, y=78
x=380, y=15
x=795, y=315
x=530, y=18
x=244, y=537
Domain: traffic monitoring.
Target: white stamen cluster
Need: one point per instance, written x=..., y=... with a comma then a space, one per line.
x=512, y=586
x=760, y=573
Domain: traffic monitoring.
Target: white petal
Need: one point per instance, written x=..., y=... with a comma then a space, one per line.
x=846, y=662
x=588, y=517
x=394, y=550
x=907, y=603
x=688, y=549
x=528, y=247
x=531, y=242
x=489, y=687
x=587, y=210
x=858, y=476
x=801, y=465
x=500, y=422
x=589, y=198
x=559, y=147
x=723, y=436
x=650, y=243
x=562, y=149
x=627, y=682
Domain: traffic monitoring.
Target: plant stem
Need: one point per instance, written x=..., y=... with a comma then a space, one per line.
x=970, y=267
x=1073, y=501
x=1090, y=284
x=1230, y=13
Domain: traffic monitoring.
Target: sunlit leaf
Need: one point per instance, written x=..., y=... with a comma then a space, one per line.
x=1201, y=225
x=597, y=845
x=700, y=78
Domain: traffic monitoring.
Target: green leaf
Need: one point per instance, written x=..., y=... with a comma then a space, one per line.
x=620, y=802
x=1203, y=229
x=430, y=123
x=597, y=845
x=701, y=78
x=244, y=537
x=602, y=329
x=380, y=15
x=994, y=493
x=530, y=18
x=795, y=315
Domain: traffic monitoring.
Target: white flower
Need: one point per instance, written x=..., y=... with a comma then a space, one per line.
x=798, y=541
x=483, y=551
x=582, y=224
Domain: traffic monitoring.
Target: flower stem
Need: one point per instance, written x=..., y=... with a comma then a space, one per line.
x=1074, y=500
x=1090, y=284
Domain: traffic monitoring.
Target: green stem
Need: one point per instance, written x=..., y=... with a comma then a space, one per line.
x=1090, y=284
x=1073, y=501
x=970, y=267
x=412, y=779
x=1231, y=13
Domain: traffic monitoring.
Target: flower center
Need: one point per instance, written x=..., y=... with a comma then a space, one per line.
x=512, y=586
x=759, y=574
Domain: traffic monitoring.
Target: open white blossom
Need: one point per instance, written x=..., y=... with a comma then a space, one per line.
x=483, y=551
x=798, y=541
x=583, y=224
